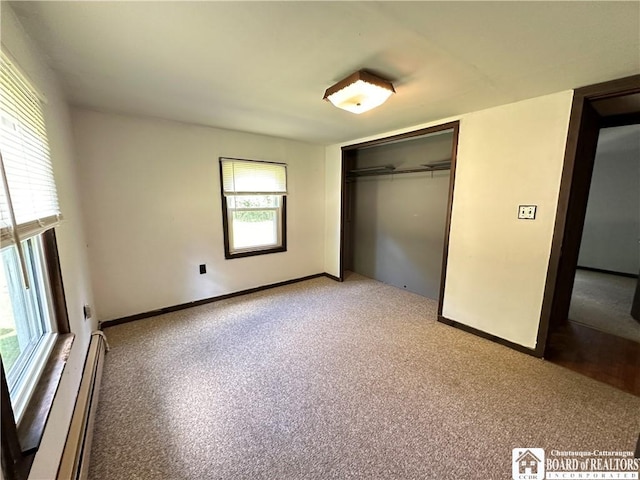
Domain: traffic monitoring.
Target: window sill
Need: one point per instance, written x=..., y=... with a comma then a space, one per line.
x=35, y=416
x=253, y=253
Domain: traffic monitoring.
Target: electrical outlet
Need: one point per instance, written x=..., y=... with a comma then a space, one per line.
x=527, y=212
x=203, y=269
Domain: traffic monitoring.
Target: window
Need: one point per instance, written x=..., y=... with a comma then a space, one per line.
x=26, y=326
x=32, y=311
x=254, y=207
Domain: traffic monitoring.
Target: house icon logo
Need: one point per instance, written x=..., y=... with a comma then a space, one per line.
x=528, y=463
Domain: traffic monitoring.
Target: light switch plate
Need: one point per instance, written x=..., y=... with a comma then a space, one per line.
x=527, y=212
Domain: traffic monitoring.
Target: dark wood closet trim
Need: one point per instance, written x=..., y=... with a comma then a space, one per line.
x=183, y=306
x=584, y=122
x=447, y=228
x=346, y=156
x=402, y=136
x=620, y=120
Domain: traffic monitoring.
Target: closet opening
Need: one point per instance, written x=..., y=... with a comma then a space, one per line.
x=396, y=209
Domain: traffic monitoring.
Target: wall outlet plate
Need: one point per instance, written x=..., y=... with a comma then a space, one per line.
x=527, y=212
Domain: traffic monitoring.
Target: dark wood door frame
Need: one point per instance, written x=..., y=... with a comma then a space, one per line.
x=584, y=125
x=348, y=153
x=635, y=305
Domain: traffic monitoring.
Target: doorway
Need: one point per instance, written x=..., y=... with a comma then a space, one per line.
x=605, y=356
x=608, y=261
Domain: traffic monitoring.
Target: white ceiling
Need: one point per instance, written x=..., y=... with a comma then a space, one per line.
x=264, y=66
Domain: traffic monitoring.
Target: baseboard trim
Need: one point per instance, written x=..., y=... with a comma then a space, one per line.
x=609, y=272
x=183, y=306
x=332, y=277
x=488, y=336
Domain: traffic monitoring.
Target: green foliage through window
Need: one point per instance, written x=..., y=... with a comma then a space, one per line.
x=253, y=201
x=254, y=216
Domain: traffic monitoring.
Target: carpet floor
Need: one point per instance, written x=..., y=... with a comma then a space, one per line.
x=603, y=301
x=327, y=380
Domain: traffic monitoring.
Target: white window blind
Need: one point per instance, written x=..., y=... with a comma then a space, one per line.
x=28, y=197
x=251, y=177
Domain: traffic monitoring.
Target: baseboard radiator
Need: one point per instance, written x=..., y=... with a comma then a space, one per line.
x=74, y=464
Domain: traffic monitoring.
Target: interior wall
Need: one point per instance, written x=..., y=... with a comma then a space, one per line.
x=333, y=205
x=398, y=221
x=151, y=193
x=507, y=156
x=70, y=237
x=612, y=223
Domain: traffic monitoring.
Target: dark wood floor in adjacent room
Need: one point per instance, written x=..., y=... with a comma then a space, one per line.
x=599, y=355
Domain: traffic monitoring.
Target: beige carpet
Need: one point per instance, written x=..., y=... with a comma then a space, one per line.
x=322, y=380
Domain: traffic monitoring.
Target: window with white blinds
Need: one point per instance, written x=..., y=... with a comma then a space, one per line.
x=252, y=177
x=30, y=308
x=28, y=198
x=254, y=207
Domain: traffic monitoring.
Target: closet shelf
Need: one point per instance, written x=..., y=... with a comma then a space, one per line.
x=391, y=170
x=373, y=170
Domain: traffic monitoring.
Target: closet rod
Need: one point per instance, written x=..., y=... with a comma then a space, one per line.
x=353, y=174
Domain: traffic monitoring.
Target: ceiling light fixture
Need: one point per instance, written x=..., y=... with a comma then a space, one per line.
x=359, y=92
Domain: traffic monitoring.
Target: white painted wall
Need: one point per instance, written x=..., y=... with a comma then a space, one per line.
x=151, y=194
x=333, y=202
x=70, y=236
x=497, y=264
x=611, y=235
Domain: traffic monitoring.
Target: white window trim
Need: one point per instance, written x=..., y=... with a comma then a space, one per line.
x=278, y=227
x=24, y=383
